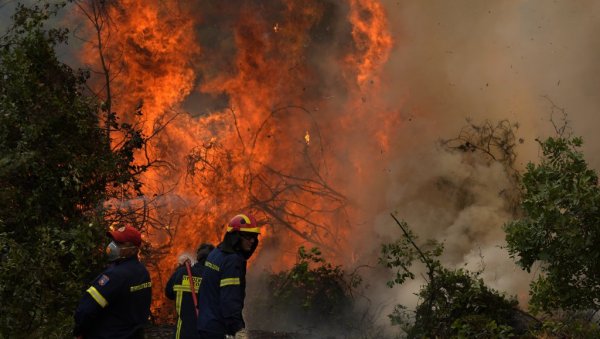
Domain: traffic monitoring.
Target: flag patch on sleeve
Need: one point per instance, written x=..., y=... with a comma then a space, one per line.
x=103, y=280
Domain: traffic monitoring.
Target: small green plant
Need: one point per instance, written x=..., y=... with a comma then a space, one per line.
x=480, y=326
x=317, y=287
x=313, y=296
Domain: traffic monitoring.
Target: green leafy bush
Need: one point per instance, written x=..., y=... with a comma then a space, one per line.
x=314, y=287
x=452, y=303
x=314, y=297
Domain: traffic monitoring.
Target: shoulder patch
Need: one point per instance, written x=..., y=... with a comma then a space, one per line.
x=103, y=280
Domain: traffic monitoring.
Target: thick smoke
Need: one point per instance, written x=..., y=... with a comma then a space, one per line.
x=497, y=60
x=525, y=62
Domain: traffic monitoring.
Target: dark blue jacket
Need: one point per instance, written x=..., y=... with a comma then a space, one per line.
x=221, y=295
x=117, y=304
x=178, y=289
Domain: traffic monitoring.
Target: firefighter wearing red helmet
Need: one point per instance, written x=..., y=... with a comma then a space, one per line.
x=117, y=304
x=223, y=289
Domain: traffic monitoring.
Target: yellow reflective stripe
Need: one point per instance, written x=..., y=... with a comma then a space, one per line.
x=184, y=288
x=97, y=296
x=230, y=281
x=245, y=217
x=249, y=229
x=186, y=281
x=211, y=265
x=178, y=308
x=140, y=286
x=178, y=333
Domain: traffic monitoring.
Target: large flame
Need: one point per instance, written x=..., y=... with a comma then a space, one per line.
x=254, y=106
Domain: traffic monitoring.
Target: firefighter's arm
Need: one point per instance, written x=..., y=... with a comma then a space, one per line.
x=85, y=314
x=97, y=297
x=232, y=298
x=169, y=291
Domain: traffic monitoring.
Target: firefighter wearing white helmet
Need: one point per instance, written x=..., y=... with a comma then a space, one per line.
x=223, y=289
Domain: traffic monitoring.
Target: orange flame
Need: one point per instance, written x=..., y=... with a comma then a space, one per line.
x=229, y=94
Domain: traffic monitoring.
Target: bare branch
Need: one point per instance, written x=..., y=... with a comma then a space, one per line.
x=563, y=130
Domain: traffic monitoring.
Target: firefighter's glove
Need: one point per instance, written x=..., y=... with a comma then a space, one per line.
x=183, y=258
x=242, y=334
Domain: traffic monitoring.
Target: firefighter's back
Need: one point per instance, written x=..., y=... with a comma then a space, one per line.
x=214, y=300
x=128, y=294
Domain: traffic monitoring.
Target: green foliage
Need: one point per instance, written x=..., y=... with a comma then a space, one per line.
x=560, y=228
x=479, y=326
x=453, y=303
x=313, y=286
x=574, y=327
x=401, y=254
x=313, y=296
x=55, y=165
x=458, y=303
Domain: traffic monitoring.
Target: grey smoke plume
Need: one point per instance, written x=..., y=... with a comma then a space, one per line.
x=498, y=59
x=489, y=60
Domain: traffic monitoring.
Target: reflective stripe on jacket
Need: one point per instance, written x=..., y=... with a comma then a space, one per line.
x=117, y=304
x=178, y=289
x=222, y=293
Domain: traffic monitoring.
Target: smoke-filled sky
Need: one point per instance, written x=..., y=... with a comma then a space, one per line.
x=493, y=60
x=498, y=59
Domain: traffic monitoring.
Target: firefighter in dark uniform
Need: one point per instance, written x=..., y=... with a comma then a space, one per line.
x=117, y=304
x=178, y=289
x=223, y=288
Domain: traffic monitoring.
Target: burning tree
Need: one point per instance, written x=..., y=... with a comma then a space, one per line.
x=274, y=189
x=259, y=81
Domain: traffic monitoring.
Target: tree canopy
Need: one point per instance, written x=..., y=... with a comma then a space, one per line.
x=56, y=163
x=560, y=228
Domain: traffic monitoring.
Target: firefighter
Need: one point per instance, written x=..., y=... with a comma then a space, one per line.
x=117, y=304
x=223, y=288
x=178, y=289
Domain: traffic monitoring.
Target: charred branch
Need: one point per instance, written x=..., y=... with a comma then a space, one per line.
x=493, y=143
x=294, y=196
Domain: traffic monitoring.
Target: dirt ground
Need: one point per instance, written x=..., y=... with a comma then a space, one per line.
x=166, y=332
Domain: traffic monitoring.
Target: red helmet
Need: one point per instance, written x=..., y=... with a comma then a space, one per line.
x=125, y=233
x=243, y=223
